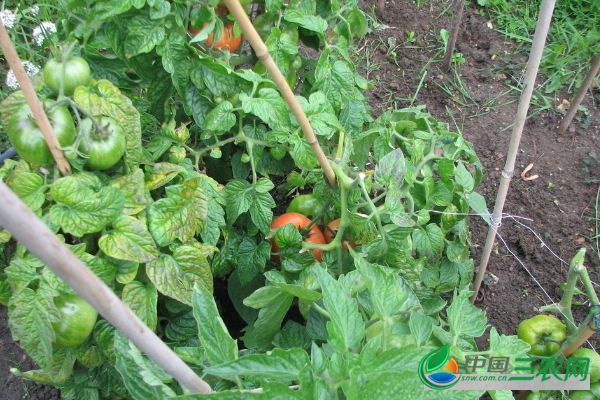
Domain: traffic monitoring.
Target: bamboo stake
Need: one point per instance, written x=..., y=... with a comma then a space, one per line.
x=459, y=6
x=235, y=8
x=34, y=234
x=34, y=103
x=539, y=38
x=594, y=67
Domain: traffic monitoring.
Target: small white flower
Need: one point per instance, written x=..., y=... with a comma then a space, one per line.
x=41, y=32
x=11, y=80
x=8, y=18
x=35, y=10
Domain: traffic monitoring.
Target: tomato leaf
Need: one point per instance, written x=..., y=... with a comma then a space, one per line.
x=278, y=364
x=132, y=185
x=221, y=119
x=346, y=328
x=29, y=187
x=59, y=370
x=464, y=318
x=216, y=340
x=181, y=215
x=174, y=275
x=215, y=216
x=129, y=240
x=429, y=242
x=31, y=324
x=142, y=300
x=84, y=205
x=163, y=173
x=239, y=195
x=268, y=106
x=311, y=22
x=143, y=377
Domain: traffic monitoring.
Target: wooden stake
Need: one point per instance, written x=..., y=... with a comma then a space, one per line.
x=235, y=8
x=459, y=6
x=539, y=38
x=34, y=103
x=594, y=67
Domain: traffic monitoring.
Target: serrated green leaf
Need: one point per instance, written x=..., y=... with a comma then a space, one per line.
x=261, y=211
x=311, y=22
x=346, y=328
x=84, y=206
x=174, y=275
x=239, y=195
x=268, y=106
x=163, y=173
x=22, y=271
x=506, y=346
x=293, y=335
x=429, y=242
x=477, y=203
x=221, y=119
x=390, y=169
x=252, y=258
x=142, y=377
x=182, y=327
x=29, y=187
x=59, y=370
x=464, y=318
x=215, y=216
x=271, y=316
x=30, y=323
x=216, y=340
x=336, y=81
x=421, y=326
x=89, y=354
x=104, y=335
x=129, y=240
x=132, y=185
x=281, y=365
x=181, y=215
x=142, y=300
x=144, y=34
x=464, y=178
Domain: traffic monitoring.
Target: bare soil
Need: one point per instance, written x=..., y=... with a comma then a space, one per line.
x=480, y=99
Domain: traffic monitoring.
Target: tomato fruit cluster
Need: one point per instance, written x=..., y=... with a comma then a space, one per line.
x=299, y=221
x=305, y=204
x=77, y=320
x=543, y=333
x=228, y=40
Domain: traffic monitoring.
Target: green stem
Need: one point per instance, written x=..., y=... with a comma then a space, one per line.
x=374, y=210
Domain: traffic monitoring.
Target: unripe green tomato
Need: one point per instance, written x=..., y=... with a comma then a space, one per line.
x=76, y=73
x=77, y=319
x=305, y=204
x=582, y=395
x=176, y=154
x=594, y=366
x=543, y=333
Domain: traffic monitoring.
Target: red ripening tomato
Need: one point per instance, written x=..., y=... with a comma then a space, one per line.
x=299, y=221
x=331, y=230
x=227, y=42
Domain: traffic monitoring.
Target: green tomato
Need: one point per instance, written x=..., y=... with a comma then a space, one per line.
x=76, y=73
x=305, y=204
x=103, y=149
x=543, y=333
x=27, y=139
x=594, y=368
x=77, y=319
x=582, y=395
x=595, y=388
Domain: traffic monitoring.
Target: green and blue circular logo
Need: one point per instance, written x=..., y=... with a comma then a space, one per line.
x=438, y=370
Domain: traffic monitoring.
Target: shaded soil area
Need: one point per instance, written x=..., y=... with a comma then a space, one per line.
x=547, y=219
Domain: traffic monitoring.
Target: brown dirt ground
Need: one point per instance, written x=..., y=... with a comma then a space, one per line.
x=560, y=203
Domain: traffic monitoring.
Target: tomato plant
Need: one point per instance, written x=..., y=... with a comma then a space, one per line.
x=331, y=230
x=76, y=321
x=26, y=137
x=102, y=145
x=594, y=365
x=543, y=333
x=72, y=73
x=305, y=204
x=299, y=221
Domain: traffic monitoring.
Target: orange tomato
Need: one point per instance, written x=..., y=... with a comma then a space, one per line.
x=330, y=231
x=299, y=221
